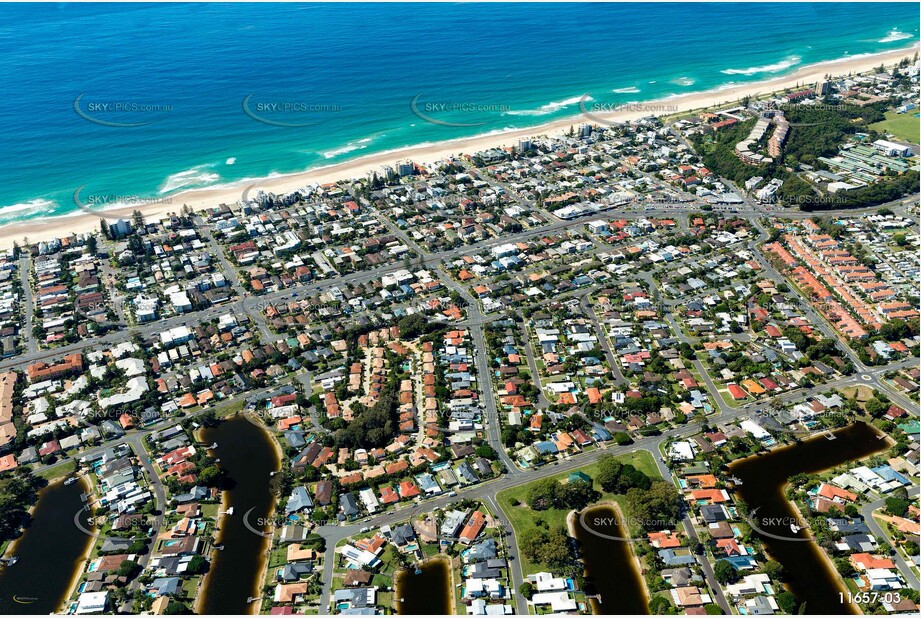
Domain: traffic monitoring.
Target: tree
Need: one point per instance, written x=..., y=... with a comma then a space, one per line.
x=175, y=607
x=773, y=569
x=18, y=492
x=659, y=606
x=897, y=506
x=725, y=573
x=608, y=472
x=137, y=217
x=844, y=566
x=576, y=495
x=127, y=568
x=622, y=438
x=787, y=602
x=659, y=506
x=550, y=548
x=484, y=450
x=526, y=590
x=544, y=494
x=197, y=565
x=210, y=476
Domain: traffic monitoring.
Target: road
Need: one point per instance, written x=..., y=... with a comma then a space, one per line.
x=866, y=511
x=691, y=532
x=475, y=323
x=602, y=335
x=542, y=402
x=28, y=306
x=140, y=450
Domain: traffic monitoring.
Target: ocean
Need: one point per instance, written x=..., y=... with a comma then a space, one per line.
x=135, y=102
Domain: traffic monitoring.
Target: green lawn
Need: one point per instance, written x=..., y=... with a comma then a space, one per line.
x=65, y=468
x=903, y=126
x=523, y=518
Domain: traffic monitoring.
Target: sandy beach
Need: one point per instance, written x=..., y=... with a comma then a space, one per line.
x=37, y=230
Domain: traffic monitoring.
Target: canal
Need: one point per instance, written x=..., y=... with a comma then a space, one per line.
x=427, y=592
x=248, y=457
x=611, y=573
x=50, y=553
x=808, y=575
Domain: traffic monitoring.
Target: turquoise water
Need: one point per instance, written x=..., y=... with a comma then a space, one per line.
x=356, y=69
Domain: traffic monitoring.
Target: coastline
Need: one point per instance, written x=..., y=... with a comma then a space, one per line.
x=198, y=199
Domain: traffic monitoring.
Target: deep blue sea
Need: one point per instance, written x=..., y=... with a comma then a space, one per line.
x=209, y=94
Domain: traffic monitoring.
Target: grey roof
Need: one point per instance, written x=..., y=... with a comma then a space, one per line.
x=299, y=500
x=671, y=558
x=482, y=570
x=860, y=542
x=166, y=586
x=358, y=597
x=484, y=550
x=759, y=606
x=115, y=545
x=403, y=534
x=847, y=526
x=349, y=504
x=196, y=493
x=680, y=576
x=293, y=571
x=295, y=438
x=713, y=513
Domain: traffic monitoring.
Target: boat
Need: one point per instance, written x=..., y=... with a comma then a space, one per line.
x=71, y=480
x=10, y=561
x=219, y=547
x=795, y=528
x=213, y=446
x=229, y=511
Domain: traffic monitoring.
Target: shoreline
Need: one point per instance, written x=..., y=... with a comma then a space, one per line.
x=80, y=562
x=266, y=550
x=824, y=556
x=87, y=552
x=637, y=565
x=400, y=574
x=230, y=193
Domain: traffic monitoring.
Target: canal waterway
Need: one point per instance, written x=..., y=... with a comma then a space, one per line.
x=248, y=457
x=611, y=573
x=49, y=553
x=808, y=574
x=427, y=592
